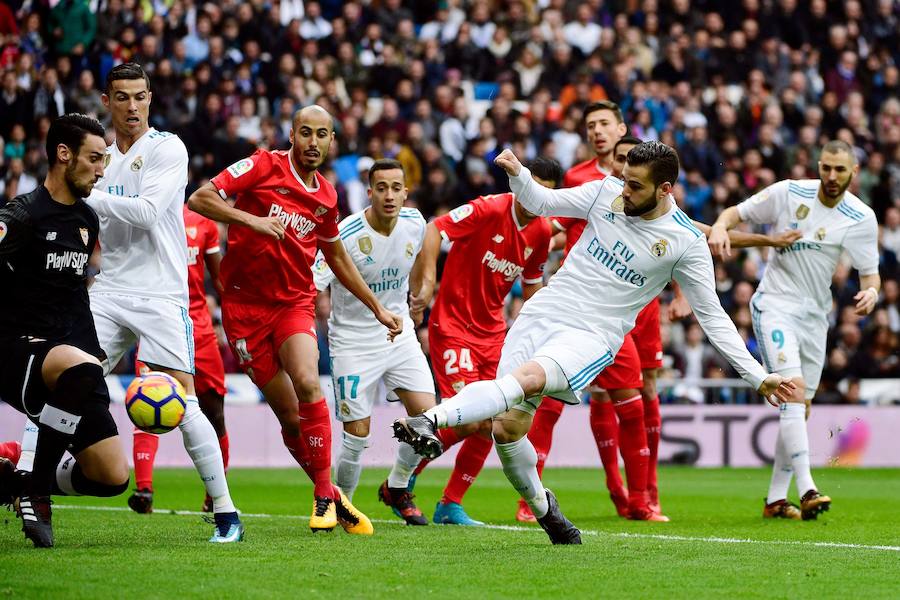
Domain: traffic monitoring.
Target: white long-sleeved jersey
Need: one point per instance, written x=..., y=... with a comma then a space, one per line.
x=139, y=201
x=384, y=263
x=799, y=277
x=621, y=263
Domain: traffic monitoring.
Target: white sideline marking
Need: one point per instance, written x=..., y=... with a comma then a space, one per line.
x=609, y=534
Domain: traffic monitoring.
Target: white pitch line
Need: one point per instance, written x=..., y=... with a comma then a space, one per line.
x=610, y=534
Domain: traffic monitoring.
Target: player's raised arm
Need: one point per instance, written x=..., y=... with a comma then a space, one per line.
x=743, y=239
x=160, y=185
x=539, y=200
x=343, y=268
x=694, y=273
x=207, y=201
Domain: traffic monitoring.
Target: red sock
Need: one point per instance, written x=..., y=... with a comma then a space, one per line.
x=224, y=446
x=633, y=444
x=606, y=433
x=145, y=446
x=541, y=432
x=315, y=428
x=11, y=450
x=448, y=437
x=298, y=450
x=653, y=425
x=469, y=461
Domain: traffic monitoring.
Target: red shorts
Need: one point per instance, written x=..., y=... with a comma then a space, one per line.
x=256, y=332
x=209, y=372
x=625, y=372
x=647, y=337
x=457, y=361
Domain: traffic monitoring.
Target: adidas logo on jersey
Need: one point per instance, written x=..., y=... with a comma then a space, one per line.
x=300, y=224
x=508, y=269
x=610, y=217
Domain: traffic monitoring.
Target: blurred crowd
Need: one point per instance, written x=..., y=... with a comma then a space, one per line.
x=746, y=90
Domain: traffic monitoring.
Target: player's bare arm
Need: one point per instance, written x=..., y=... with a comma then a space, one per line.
x=743, y=239
x=343, y=268
x=530, y=289
x=428, y=257
x=719, y=241
x=868, y=297
x=207, y=201
x=419, y=295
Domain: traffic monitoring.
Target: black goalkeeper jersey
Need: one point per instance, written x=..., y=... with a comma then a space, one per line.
x=44, y=252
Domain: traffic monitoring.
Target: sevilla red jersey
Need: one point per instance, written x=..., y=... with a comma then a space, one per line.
x=581, y=173
x=490, y=251
x=260, y=269
x=202, y=239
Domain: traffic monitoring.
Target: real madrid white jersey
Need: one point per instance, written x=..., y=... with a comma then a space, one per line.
x=799, y=277
x=384, y=263
x=139, y=202
x=621, y=263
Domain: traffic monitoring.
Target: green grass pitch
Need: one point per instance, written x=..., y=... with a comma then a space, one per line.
x=717, y=544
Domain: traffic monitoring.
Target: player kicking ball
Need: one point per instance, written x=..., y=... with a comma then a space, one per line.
x=635, y=240
x=49, y=369
x=285, y=210
x=791, y=305
x=384, y=242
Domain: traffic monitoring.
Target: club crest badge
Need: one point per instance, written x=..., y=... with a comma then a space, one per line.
x=820, y=233
x=409, y=250
x=84, y=234
x=527, y=252
x=802, y=212
x=106, y=160
x=137, y=163
x=345, y=409
x=660, y=248
x=192, y=232
x=618, y=205
x=321, y=211
x=782, y=358
x=458, y=386
x=365, y=244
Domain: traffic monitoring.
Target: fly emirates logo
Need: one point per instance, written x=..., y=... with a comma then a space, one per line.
x=508, y=269
x=300, y=224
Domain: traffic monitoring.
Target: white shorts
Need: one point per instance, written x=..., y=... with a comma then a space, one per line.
x=580, y=354
x=792, y=345
x=162, y=329
x=357, y=377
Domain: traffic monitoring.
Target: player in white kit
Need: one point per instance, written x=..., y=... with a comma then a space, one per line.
x=635, y=241
x=791, y=304
x=141, y=293
x=384, y=241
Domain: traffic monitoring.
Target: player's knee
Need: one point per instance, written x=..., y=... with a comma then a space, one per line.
x=307, y=387
x=648, y=390
x=358, y=428
x=79, y=382
x=484, y=428
x=799, y=393
x=212, y=405
x=508, y=430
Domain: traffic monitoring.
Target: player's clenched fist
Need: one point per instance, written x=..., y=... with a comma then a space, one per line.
x=507, y=161
x=393, y=322
x=719, y=244
x=777, y=389
x=269, y=226
x=786, y=238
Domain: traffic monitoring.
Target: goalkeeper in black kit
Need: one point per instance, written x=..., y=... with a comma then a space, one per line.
x=49, y=354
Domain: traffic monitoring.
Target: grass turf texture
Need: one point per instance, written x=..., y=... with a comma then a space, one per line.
x=122, y=554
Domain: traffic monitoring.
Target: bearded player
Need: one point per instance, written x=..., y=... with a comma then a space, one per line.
x=285, y=210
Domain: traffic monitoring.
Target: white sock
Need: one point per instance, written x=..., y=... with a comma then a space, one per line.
x=64, y=475
x=792, y=427
x=29, y=443
x=406, y=462
x=348, y=464
x=478, y=401
x=202, y=445
x=782, y=473
x=520, y=466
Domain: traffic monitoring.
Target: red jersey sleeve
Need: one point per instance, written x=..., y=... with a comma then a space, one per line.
x=328, y=231
x=211, y=237
x=243, y=174
x=564, y=223
x=463, y=220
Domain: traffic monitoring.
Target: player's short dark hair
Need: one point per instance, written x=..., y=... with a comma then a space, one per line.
x=628, y=139
x=384, y=164
x=71, y=130
x=602, y=105
x=661, y=160
x=128, y=70
x=547, y=169
x=838, y=146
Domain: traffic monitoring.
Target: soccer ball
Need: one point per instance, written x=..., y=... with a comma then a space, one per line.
x=155, y=402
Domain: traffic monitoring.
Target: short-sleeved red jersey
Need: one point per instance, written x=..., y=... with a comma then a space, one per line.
x=580, y=174
x=259, y=269
x=202, y=239
x=490, y=251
